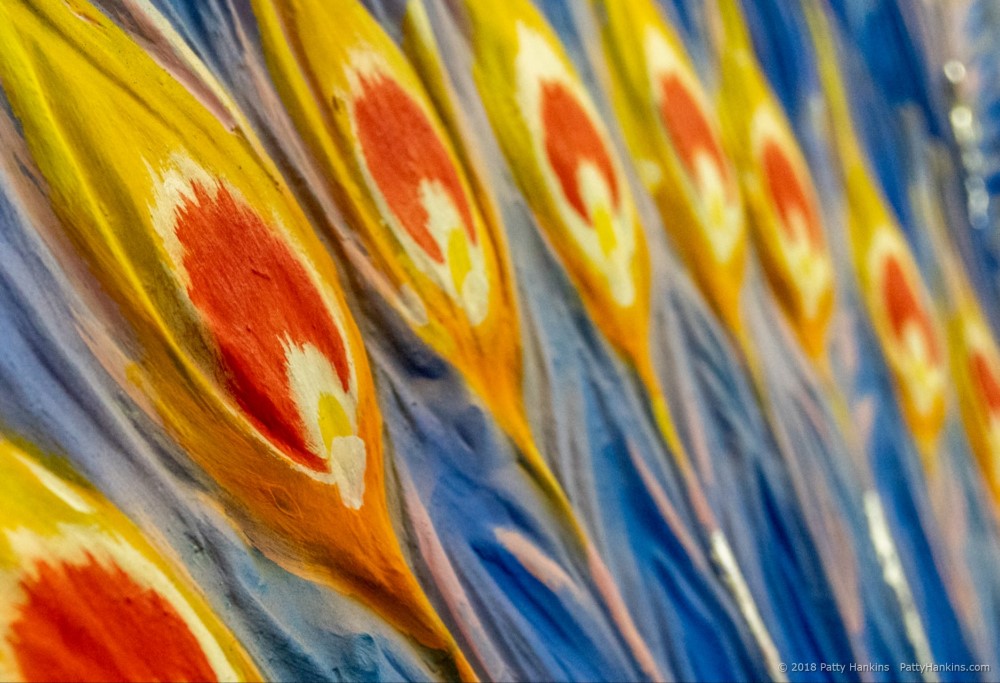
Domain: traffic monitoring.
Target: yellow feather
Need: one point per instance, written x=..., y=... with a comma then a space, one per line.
x=50, y=519
x=880, y=252
x=674, y=135
x=792, y=246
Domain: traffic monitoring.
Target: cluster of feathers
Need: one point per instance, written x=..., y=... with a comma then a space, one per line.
x=508, y=340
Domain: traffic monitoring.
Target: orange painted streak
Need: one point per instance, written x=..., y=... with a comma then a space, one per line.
x=986, y=381
x=689, y=129
x=571, y=139
x=88, y=622
x=256, y=298
x=903, y=306
x=402, y=149
x=788, y=193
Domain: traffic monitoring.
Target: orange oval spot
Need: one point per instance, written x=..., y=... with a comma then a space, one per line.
x=90, y=622
x=690, y=130
x=571, y=139
x=796, y=210
x=904, y=307
x=403, y=151
x=986, y=380
x=257, y=300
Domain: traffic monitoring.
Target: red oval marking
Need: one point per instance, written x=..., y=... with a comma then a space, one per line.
x=904, y=307
x=256, y=297
x=986, y=379
x=401, y=150
x=89, y=622
x=789, y=194
x=690, y=130
x=571, y=138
